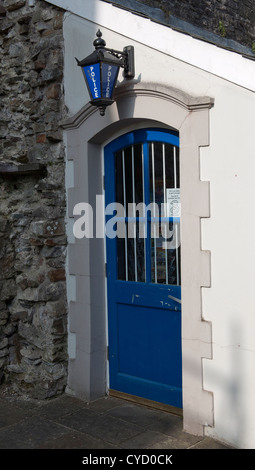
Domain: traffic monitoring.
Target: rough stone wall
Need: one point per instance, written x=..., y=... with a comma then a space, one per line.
x=33, y=308
x=233, y=19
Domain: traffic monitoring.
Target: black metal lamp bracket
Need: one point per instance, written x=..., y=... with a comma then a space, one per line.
x=126, y=60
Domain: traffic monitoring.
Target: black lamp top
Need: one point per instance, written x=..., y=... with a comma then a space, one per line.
x=99, y=42
x=102, y=54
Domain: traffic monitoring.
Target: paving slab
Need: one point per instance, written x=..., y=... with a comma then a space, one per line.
x=134, y=414
x=114, y=430
x=29, y=433
x=76, y=440
x=67, y=422
x=11, y=414
x=144, y=440
x=209, y=443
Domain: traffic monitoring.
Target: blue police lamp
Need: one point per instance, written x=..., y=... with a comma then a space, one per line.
x=101, y=68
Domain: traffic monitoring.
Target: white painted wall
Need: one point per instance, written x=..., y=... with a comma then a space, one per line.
x=229, y=304
x=167, y=57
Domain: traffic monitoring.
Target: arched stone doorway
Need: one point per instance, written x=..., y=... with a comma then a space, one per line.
x=138, y=106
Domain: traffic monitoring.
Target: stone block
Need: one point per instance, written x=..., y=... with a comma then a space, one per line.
x=53, y=91
x=3, y=317
x=16, y=368
x=19, y=316
x=3, y=224
x=23, y=281
x=39, y=65
x=30, y=352
x=47, y=291
x=24, y=29
x=24, y=19
x=45, y=228
x=38, y=228
x=56, y=275
x=56, y=309
x=36, y=242
x=47, y=14
x=62, y=240
x=49, y=75
x=11, y=5
x=56, y=263
x=7, y=266
x=31, y=335
x=51, y=291
x=8, y=289
x=9, y=329
x=5, y=27
x=38, y=127
x=58, y=21
x=4, y=352
x=3, y=131
x=41, y=139
x=59, y=326
x=52, y=252
x=3, y=343
x=2, y=11
x=16, y=49
x=41, y=26
x=55, y=136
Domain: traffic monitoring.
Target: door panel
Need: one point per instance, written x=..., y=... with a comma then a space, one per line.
x=143, y=266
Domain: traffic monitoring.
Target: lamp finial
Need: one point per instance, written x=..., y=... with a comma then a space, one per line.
x=99, y=42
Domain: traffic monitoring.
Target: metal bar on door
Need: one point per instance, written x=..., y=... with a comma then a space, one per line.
x=125, y=211
x=146, y=195
x=133, y=195
x=175, y=175
x=145, y=228
x=153, y=199
x=164, y=215
x=176, y=226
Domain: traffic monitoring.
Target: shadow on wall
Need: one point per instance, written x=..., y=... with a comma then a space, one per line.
x=227, y=385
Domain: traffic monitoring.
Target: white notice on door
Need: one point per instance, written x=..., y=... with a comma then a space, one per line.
x=173, y=202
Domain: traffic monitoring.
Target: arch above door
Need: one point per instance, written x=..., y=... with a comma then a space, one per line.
x=139, y=105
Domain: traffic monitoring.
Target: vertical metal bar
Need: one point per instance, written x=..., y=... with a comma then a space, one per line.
x=134, y=227
x=124, y=201
x=153, y=197
x=145, y=223
x=146, y=170
x=175, y=179
x=176, y=226
x=164, y=200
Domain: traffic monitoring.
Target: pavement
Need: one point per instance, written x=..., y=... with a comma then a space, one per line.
x=67, y=422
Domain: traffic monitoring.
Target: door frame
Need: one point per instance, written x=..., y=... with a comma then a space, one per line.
x=86, y=133
x=149, y=290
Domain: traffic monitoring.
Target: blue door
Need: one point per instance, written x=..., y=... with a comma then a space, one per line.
x=142, y=195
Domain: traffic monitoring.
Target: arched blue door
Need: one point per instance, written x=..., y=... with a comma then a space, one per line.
x=142, y=198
